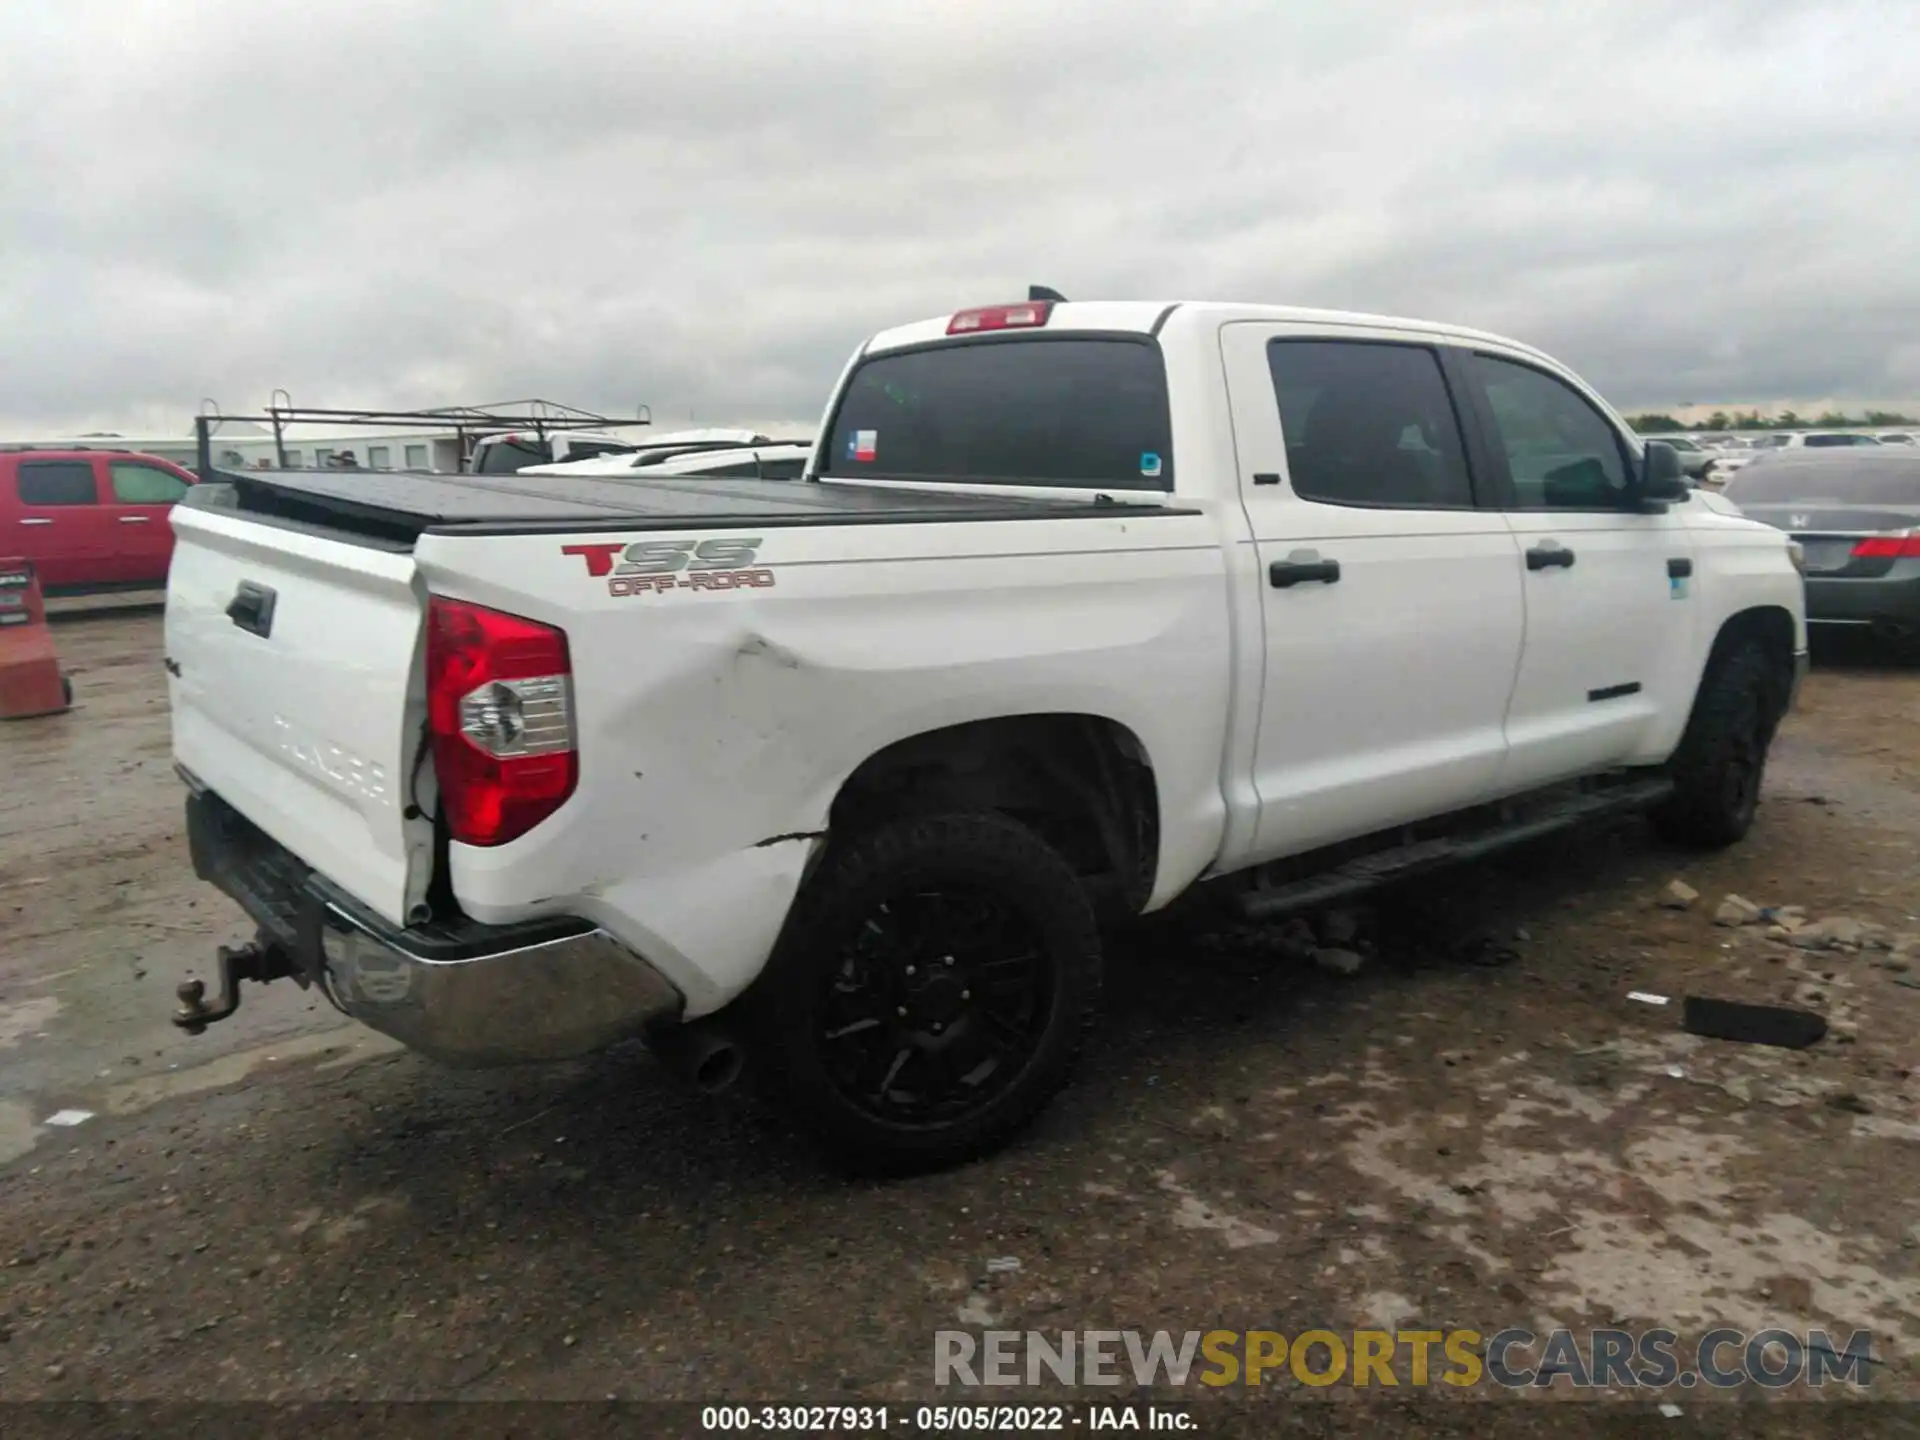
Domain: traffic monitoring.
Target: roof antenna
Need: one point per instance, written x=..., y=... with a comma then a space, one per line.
x=1045, y=292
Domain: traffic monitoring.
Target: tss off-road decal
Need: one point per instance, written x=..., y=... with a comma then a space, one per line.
x=654, y=567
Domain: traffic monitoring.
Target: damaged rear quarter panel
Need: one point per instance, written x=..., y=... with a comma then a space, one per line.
x=717, y=727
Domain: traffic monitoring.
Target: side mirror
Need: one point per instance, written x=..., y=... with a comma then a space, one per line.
x=1661, y=476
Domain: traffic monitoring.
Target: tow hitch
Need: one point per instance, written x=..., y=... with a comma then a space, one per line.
x=256, y=962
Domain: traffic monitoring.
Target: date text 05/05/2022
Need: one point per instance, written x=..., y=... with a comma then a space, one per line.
x=947, y=1419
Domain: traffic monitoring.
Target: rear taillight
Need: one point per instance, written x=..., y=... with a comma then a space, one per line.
x=1901, y=545
x=1026, y=315
x=500, y=710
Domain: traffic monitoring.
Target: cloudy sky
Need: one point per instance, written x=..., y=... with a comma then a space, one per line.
x=704, y=204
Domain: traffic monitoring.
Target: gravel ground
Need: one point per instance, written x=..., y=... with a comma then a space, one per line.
x=1463, y=1134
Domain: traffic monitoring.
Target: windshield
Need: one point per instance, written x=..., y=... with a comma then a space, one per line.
x=1040, y=410
x=1893, y=481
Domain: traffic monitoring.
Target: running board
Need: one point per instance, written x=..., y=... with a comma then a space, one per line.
x=1383, y=867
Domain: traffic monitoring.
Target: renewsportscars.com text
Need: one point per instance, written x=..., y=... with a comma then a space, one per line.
x=1512, y=1358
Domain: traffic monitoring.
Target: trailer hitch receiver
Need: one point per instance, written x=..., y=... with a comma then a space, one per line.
x=233, y=964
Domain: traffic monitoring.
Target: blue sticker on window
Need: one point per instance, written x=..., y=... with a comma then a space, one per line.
x=1149, y=464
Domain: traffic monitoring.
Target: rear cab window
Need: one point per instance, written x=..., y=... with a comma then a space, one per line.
x=590, y=449
x=777, y=469
x=1068, y=410
x=512, y=455
x=44, y=483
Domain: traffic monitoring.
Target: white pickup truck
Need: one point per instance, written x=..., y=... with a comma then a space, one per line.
x=1079, y=606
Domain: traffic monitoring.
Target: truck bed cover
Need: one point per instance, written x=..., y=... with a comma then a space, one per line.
x=401, y=507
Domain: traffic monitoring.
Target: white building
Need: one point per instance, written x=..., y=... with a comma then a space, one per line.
x=312, y=446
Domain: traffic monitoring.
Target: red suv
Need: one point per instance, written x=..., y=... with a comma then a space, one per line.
x=89, y=519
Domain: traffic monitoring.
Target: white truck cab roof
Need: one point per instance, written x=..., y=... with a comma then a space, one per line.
x=1151, y=317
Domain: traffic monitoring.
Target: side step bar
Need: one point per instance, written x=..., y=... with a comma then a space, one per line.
x=1401, y=862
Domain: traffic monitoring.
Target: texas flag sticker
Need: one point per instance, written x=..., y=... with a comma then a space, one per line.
x=865, y=445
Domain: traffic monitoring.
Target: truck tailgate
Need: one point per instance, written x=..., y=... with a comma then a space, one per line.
x=298, y=696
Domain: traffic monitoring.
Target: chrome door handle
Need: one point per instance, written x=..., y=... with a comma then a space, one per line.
x=133, y=519
x=36, y=522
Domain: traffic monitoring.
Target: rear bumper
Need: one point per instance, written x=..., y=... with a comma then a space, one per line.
x=1891, y=599
x=460, y=992
x=549, y=1000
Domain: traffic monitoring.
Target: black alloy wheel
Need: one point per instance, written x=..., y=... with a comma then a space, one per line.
x=931, y=992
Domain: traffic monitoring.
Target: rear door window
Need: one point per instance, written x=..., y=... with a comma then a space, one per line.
x=57, y=482
x=1369, y=424
x=1068, y=411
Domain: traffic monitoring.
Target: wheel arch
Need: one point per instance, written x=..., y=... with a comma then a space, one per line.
x=1772, y=627
x=1085, y=783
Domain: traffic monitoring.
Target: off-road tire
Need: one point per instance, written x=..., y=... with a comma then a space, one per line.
x=1721, y=762
x=984, y=853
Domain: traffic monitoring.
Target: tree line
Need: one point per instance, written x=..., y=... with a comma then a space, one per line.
x=1654, y=424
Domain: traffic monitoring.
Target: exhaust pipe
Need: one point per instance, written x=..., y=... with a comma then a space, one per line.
x=705, y=1052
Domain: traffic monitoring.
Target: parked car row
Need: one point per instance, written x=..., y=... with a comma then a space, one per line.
x=1712, y=458
x=1695, y=458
